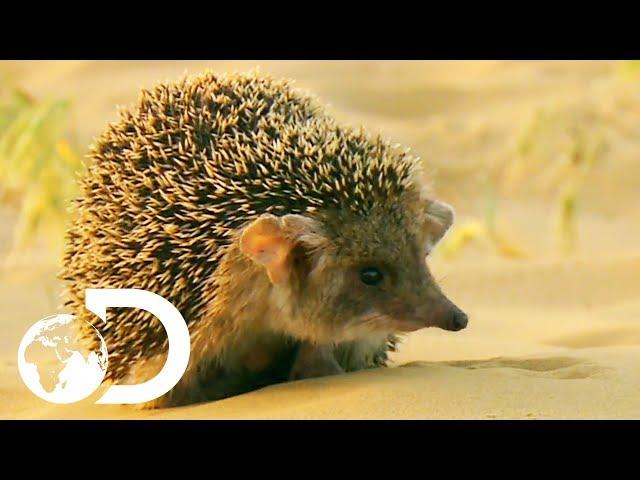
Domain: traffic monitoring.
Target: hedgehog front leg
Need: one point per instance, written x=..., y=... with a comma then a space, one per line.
x=365, y=353
x=314, y=361
x=188, y=390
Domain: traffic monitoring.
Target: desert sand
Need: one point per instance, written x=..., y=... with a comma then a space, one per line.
x=551, y=335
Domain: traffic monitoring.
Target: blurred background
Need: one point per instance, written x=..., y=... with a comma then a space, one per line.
x=540, y=159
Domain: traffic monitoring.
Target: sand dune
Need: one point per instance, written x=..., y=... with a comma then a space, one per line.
x=549, y=336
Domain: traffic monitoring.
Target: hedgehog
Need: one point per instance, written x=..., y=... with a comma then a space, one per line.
x=294, y=246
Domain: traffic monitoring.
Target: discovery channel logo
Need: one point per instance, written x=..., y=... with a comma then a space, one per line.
x=73, y=375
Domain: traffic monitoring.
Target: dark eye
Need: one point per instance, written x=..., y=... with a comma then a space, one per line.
x=371, y=276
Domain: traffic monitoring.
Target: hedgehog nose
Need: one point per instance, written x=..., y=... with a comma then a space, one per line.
x=458, y=320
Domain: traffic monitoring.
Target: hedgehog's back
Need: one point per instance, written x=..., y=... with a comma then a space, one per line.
x=148, y=215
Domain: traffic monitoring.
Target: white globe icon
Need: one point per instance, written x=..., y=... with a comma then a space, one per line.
x=54, y=366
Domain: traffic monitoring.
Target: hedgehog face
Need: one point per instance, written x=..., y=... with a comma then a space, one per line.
x=351, y=275
x=375, y=278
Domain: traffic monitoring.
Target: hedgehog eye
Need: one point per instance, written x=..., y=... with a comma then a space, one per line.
x=371, y=276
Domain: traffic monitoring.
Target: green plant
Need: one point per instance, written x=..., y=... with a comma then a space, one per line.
x=486, y=230
x=37, y=166
x=556, y=152
x=630, y=68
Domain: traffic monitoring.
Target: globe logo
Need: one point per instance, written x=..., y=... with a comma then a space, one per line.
x=54, y=366
x=58, y=369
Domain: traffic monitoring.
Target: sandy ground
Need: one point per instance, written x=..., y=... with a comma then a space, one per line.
x=550, y=336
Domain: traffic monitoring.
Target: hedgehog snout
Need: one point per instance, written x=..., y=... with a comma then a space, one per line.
x=433, y=309
x=447, y=316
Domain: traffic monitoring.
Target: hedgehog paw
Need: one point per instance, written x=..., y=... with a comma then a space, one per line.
x=314, y=361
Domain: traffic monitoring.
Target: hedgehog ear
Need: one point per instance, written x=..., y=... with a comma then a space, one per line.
x=269, y=241
x=439, y=218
